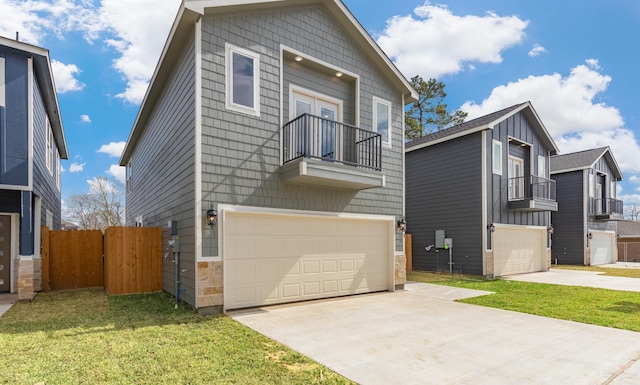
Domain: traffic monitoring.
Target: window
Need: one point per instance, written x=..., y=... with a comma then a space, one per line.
x=128, y=174
x=612, y=190
x=139, y=221
x=497, y=157
x=516, y=178
x=49, y=150
x=49, y=219
x=382, y=120
x=58, y=170
x=542, y=166
x=592, y=186
x=2, y=80
x=242, y=73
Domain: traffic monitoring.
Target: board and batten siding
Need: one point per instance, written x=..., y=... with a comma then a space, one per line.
x=241, y=153
x=444, y=192
x=568, y=241
x=44, y=181
x=162, y=184
x=515, y=126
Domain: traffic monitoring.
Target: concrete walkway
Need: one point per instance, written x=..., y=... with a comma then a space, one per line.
x=579, y=278
x=420, y=336
x=6, y=301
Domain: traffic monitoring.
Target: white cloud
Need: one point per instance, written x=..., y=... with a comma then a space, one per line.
x=569, y=109
x=436, y=42
x=113, y=149
x=140, y=30
x=536, y=50
x=76, y=167
x=118, y=172
x=634, y=179
x=85, y=119
x=64, y=76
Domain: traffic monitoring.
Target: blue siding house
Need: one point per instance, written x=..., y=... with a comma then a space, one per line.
x=31, y=145
x=483, y=184
x=271, y=138
x=585, y=225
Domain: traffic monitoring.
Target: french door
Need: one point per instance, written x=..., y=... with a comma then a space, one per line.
x=323, y=135
x=516, y=178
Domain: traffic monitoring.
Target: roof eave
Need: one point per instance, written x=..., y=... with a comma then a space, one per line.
x=449, y=137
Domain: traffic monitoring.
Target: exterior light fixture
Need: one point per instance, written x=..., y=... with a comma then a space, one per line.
x=298, y=58
x=550, y=230
x=491, y=227
x=590, y=235
x=212, y=216
x=617, y=236
x=339, y=74
x=402, y=225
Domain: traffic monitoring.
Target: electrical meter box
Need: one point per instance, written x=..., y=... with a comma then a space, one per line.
x=448, y=243
x=439, y=239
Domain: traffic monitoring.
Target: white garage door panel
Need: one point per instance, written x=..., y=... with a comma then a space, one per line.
x=600, y=247
x=518, y=250
x=285, y=258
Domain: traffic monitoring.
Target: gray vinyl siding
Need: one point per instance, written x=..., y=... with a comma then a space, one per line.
x=241, y=153
x=162, y=185
x=44, y=181
x=444, y=192
x=518, y=127
x=568, y=241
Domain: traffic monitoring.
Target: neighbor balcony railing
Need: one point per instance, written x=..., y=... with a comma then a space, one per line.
x=309, y=136
x=605, y=206
x=532, y=187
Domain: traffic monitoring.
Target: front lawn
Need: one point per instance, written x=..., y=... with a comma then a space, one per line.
x=85, y=337
x=617, y=309
x=611, y=271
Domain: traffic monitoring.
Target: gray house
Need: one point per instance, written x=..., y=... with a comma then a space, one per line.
x=272, y=136
x=585, y=224
x=486, y=183
x=31, y=145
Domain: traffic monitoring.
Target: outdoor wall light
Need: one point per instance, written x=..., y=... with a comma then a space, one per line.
x=298, y=58
x=491, y=227
x=212, y=216
x=339, y=74
x=402, y=225
x=590, y=235
x=550, y=230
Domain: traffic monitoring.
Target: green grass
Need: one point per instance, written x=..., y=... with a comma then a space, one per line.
x=614, y=272
x=617, y=309
x=85, y=337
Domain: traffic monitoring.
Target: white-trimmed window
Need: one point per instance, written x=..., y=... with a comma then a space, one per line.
x=128, y=174
x=542, y=166
x=2, y=80
x=58, y=169
x=592, y=186
x=613, y=190
x=49, y=152
x=382, y=119
x=496, y=157
x=242, y=80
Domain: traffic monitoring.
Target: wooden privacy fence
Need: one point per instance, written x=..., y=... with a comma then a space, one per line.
x=132, y=260
x=124, y=260
x=629, y=250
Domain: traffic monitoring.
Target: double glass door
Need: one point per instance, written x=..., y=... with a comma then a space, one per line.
x=322, y=135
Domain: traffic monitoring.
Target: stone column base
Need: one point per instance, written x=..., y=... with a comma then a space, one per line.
x=25, y=279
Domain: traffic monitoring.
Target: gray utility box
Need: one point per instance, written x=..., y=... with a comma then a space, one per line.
x=439, y=239
x=448, y=243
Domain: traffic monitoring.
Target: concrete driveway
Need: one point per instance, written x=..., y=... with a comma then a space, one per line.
x=580, y=278
x=421, y=336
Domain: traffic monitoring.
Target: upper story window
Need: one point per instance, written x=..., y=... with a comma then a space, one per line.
x=592, y=186
x=49, y=151
x=542, y=166
x=242, y=80
x=382, y=119
x=2, y=91
x=496, y=157
x=58, y=170
x=612, y=190
x=128, y=174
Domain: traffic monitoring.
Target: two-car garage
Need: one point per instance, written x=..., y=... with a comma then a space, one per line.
x=272, y=258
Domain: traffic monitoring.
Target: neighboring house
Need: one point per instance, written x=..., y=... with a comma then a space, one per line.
x=283, y=121
x=585, y=223
x=31, y=145
x=68, y=226
x=628, y=241
x=486, y=183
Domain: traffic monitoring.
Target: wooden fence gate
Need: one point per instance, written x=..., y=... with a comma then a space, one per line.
x=124, y=260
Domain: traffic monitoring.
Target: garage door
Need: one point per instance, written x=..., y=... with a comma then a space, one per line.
x=600, y=247
x=278, y=258
x=518, y=250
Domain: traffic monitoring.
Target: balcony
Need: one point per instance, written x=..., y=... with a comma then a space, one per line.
x=324, y=152
x=532, y=193
x=606, y=209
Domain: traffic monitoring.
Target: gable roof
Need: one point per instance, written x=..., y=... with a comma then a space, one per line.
x=582, y=160
x=44, y=74
x=191, y=10
x=486, y=122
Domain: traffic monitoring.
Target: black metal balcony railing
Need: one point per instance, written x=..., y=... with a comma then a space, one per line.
x=605, y=206
x=311, y=136
x=532, y=187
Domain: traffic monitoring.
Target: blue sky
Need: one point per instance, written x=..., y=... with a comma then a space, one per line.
x=578, y=61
